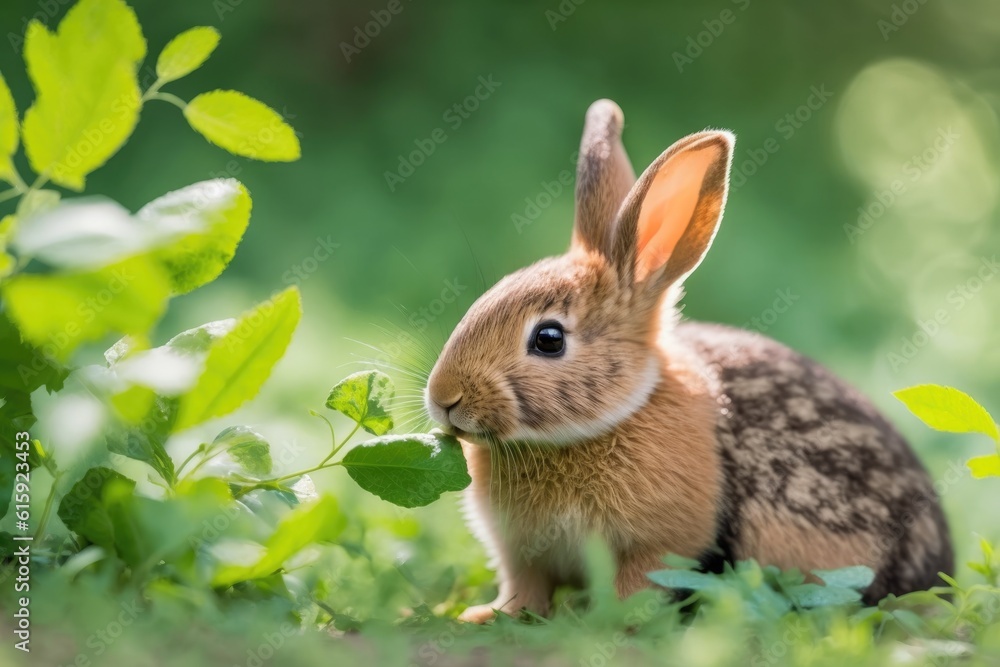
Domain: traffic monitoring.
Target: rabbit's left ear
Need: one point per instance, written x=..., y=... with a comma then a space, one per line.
x=669, y=218
x=604, y=176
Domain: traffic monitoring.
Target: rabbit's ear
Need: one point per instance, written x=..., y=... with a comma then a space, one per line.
x=669, y=218
x=604, y=176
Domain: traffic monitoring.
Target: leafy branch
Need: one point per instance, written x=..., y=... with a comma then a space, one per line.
x=948, y=409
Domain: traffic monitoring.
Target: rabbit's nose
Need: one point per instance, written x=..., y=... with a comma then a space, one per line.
x=443, y=394
x=445, y=405
x=448, y=404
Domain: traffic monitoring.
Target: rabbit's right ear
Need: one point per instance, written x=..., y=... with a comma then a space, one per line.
x=670, y=217
x=604, y=176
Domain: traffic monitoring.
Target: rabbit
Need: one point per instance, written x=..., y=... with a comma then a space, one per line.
x=585, y=405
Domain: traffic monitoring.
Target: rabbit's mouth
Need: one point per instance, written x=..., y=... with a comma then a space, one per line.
x=482, y=438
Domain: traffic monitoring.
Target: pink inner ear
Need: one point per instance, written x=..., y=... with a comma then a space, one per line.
x=668, y=207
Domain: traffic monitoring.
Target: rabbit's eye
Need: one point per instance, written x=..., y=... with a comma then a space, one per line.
x=548, y=340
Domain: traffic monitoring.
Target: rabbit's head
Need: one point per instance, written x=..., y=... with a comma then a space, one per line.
x=565, y=349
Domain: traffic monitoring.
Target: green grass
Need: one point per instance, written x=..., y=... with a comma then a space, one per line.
x=388, y=591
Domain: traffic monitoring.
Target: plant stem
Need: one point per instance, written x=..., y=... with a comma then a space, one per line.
x=152, y=90
x=16, y=180
x=167, y=97
x=188, y=460
x=333, y=436
x=341, y=445
x=247, y=489
x=321, y=466
x=205, y=460
x=20, y=187
x=47, y=510
x=26, y=192
x=7, y=195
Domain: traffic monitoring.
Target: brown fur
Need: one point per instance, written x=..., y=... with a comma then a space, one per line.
x=662, y=497
x=662, y=438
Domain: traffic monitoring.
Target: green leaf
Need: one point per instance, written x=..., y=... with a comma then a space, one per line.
x=678, y=562
x=80, y=234
x=247, y=447
x=319, y=522
x=409, y=470
x=8, y=132
x=948, y=409
x=146, y=443
x=148, y=530
x=8, y=474
x=814, y=595
x=243, y=126
x=186, y=52
x=60, y=311
x=193, y=232
x=239, y=363
x=221, y=209
x=87, y=93
x=365, y=398
x=910, y=621
x=686, y=579
x=857, y=577
x=84, y=511
x=165, y=370
x=137, y=377
x=23, y=369
x=984, y=466
x=142, y=447
x=196, y=342
x=133, y=404
x=7, y=545
x=7, y=262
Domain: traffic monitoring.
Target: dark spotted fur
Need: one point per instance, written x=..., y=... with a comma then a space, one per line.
x=788, y=423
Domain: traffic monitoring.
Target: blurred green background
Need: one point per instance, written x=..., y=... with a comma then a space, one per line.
x=865, y=190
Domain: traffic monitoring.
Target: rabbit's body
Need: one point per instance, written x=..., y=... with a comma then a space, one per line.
x=800, y=472
x=815, y=476
x=584, y=407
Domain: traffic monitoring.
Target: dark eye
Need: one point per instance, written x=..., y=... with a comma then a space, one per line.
x=548, y=340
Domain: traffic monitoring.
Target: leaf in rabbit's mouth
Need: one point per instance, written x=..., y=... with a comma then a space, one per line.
x=482, y=438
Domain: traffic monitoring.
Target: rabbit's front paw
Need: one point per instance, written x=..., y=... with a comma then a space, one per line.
x=481, y=613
